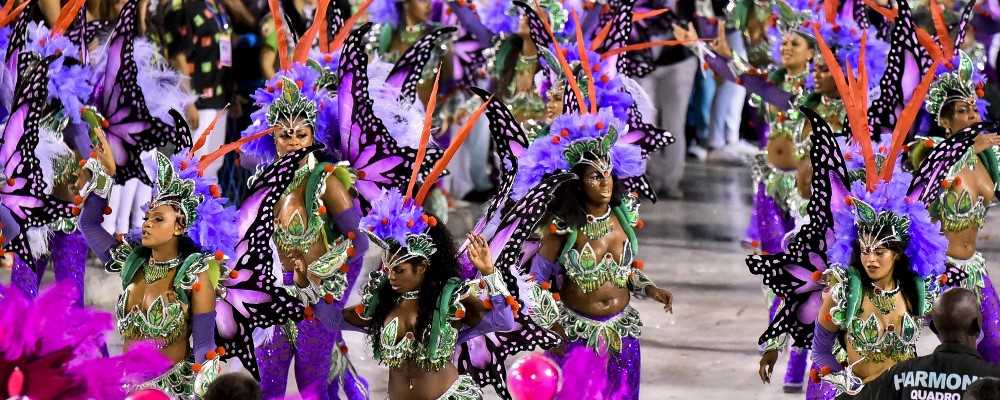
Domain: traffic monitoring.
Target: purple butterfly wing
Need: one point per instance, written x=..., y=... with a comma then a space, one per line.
x=118, y=97
x=905, y=65
x=364, y=141
x=468, y=61
x=516, y=224
x=942, y=157
x=536, y=30
x=790, y=274
x=22, y=191
x=406, y=72
x=253, y=298
x=510, y=141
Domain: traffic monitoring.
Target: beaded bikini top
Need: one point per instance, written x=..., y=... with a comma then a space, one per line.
x=583, y=266
x=956, y=209
x=876, y=343
x=165, y=320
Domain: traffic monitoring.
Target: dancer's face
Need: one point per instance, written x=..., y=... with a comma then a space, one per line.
x=161, y=225
x=961, y=116
x=597, y=185
x=878, y=262
x=795, y=51
x=554, y=107
x=418, y=11
x=824, y=79
x=292, y=135
x=407, y=276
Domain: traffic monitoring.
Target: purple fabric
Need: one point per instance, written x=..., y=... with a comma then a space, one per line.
x=755, y=84
x=621, y=373
x=544, y=270
x=822, y=348
x=795, y=371
x=989, y=346
x=498, y=319
x=9, y=227
x=768, y=222
x=69, y=260
x=23, y=277
x=98, y=239
x=347, y=221
x=312, y=351
x=820, y=390
x=203, y=332
x=470, y=21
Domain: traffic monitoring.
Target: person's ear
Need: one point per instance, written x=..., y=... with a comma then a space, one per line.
x=975, y=327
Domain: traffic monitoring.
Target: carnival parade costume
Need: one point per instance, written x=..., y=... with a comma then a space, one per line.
x=873, y=207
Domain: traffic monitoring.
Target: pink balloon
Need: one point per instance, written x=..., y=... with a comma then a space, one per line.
x=148, y=394
x=534, y=377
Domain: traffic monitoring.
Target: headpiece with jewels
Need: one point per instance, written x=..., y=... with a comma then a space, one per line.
x=952, y=86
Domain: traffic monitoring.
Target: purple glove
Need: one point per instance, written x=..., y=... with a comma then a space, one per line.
x=98, y=239
x=203, y=331
x=822, y=348
x=500, y=318
x=544, y=270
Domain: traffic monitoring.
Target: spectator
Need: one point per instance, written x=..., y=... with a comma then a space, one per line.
x=983, y=389
x=954, y=365
x=233, y=386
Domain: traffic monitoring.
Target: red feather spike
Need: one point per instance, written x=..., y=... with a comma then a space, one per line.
x=456, y=142
x=889, y=13
x=425, y=136
x=9, y=16
x=203, y=162
x=345, y=30
x=208, y=130
x=643, y=46
x=66, y=16
x=324, y=39
x=591, y=88
x=305, y=42
x=639, y=16
x=857, y=115
x=906, y=120
x=573, y=85
x=601, y=36
x=947, y=47
x=279, y=29
x=830, y=10
x=933, y=50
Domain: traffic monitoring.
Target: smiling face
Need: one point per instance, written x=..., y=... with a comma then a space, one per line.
x=597, y=185
x=161, y=225
x=292, y=134
x=795, y=52
x=418, y=11
x=407, y=276
x=554, y=105
x=958, y=115
x=878, y=262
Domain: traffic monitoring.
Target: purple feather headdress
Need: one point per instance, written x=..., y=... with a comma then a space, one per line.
x=844, y=38
x=51, y=349
x=572, y=135
x=612, y=92
x=306, y=78
x=499, y=16
x=399, y=226
x=384, y=12
x=924, y=244
x=213, y=227
x=68, y=86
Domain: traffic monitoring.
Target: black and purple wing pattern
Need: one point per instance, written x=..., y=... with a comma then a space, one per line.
x=83, y=32
x=942, y=157
x=406, y=72
x=363, y=140
x=117, y=96
x=468, y=60
x=536, y=29
x=515, y=225
x=18, y=38
x=22, y=189
x=511, y=143
x=253, y=299
x=792, y=275
x=905, y=65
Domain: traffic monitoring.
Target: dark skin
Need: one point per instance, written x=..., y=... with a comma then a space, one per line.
x=417, y=12
x=161, y=229
x=826, y=87
x=290, y=136
x=410, y=381
x=608, y=299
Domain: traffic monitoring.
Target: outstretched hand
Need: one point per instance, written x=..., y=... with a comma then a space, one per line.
x=479, y=254
x=663, y=296
x=767, y=361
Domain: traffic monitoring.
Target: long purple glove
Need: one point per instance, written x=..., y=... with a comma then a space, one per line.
x=544, y=270
x=203, y=331
x=98, y=239
x=822, y=349
x=500, y=318
x=347, y=221
x=9, y=226
x=470, y=21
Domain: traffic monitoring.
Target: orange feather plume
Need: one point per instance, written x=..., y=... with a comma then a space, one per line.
x=456, y=142
x=933, y=50
x=302, y=48
x=203, y=162
x=66, y=16
x=889, y=13
x=208, y=130
x=570, y=77
x=907, y=118
x=591, y=87
x=643, y=46
x=830, y=10
x=947, y=47
x=345, y=30
x=639, y=16
x=279, y=29
x=601, y=36
x=425, y=136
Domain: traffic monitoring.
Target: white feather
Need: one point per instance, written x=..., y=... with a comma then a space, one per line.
x=642, y=99
x=38, y=241
x=50, y=147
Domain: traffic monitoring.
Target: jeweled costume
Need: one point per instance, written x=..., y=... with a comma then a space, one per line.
x=955, y=207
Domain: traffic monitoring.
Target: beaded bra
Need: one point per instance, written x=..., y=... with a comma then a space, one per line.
x=300, y=233
x=956, y=210
x=877, y=344
x=589, y=272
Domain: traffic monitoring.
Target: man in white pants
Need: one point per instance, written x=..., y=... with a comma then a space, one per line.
x=670, y=86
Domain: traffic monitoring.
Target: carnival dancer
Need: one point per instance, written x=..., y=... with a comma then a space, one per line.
x=966, y=191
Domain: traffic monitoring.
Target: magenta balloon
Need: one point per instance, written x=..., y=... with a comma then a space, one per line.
x=534, y=377
x=148, y=394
